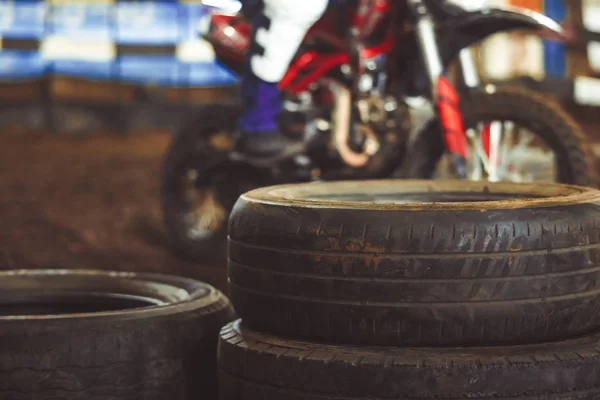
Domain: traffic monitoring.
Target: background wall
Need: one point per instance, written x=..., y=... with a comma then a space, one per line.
x=151, y=42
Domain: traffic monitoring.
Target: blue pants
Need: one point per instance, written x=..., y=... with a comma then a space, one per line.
x=262, y=103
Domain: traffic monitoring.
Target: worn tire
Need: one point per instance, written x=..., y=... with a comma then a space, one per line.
x=306, y=261
x=76, y=335
x=257, y=366
x=541, y=115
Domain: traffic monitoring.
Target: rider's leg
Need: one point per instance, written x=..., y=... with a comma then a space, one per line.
x=278, y=33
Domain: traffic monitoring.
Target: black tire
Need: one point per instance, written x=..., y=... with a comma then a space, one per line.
x=308, y=261
x=256, y=366
x=541, y=115
x=203, y=144
x=100, y=335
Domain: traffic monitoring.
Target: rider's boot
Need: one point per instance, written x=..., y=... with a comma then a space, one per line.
x=261, y=139
x=267, y=146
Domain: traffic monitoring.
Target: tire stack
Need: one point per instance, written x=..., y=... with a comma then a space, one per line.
x=83, y=335
x=414, y=290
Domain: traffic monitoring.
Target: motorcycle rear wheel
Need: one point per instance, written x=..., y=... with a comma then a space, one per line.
x=573, y=156
x=200, y=185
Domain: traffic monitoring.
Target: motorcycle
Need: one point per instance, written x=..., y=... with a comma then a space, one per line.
x=348, y=92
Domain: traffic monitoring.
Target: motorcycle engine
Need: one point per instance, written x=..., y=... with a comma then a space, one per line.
x=380, y=126
x=383, y=118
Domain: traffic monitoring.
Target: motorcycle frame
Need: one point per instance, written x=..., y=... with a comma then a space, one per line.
x=433, y=59
x=422, y=56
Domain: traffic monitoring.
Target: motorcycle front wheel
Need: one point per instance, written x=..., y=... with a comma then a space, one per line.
x=534, y=140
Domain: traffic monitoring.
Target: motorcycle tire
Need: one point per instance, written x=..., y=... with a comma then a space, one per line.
x=417, y=263
x=203, y=145
x=89, y=335
x=545, y=117
x=257, y=366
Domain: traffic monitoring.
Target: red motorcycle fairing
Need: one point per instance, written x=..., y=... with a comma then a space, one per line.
x=311, y=66
x=369, y=15
x=230, y=38
x=451, y=119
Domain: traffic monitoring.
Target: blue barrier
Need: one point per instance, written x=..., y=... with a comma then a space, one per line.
x=168, y=71
x=125, y=22
x=555, y=57
x=139, y=23
x=23, y=19
x=81, y=20
x=156, y=23
x=19, y=65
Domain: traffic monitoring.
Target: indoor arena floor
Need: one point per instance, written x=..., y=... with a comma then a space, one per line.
x=86, y=203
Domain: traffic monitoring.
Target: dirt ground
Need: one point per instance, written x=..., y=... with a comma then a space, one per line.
x=86, y=203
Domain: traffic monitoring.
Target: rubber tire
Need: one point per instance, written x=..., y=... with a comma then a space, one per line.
x=305, y=263
x=164, y=352
x=542, y=115
x=256, y=366
x=193, y=146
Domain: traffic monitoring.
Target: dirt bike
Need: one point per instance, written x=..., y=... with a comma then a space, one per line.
x=347, y=91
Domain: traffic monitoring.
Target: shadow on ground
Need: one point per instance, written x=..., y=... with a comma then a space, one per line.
x=86, y=203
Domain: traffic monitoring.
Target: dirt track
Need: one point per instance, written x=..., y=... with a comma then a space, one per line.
x=86, y=203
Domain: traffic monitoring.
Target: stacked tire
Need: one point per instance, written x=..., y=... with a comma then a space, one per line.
x=414, y=290
x=82, y=334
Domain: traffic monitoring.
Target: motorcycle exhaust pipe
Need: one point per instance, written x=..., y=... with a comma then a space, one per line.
x=342, y=117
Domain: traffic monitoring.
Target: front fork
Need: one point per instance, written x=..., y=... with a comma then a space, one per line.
x=490, y=135
x=443, y=94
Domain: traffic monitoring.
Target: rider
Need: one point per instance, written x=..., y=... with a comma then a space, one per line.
x=277, y=34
